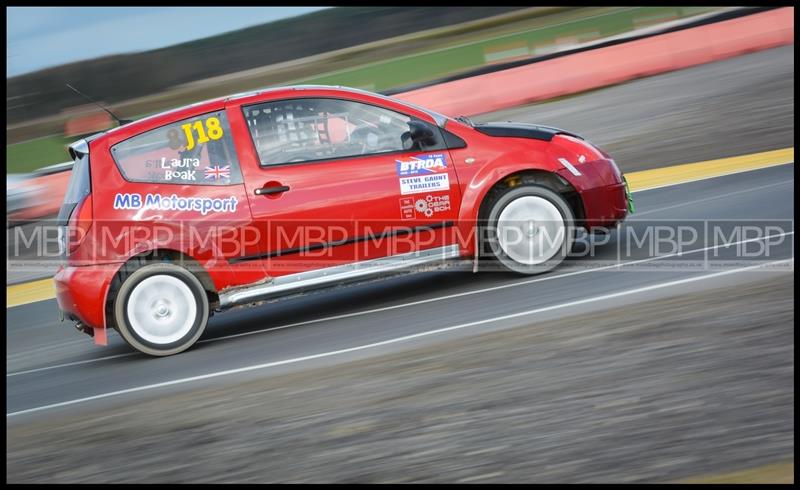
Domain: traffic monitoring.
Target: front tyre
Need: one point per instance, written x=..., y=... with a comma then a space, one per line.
x=530, y=229
x=161, y=309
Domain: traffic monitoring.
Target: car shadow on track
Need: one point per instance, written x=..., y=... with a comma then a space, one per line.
x=345, y=300
x=350, y=299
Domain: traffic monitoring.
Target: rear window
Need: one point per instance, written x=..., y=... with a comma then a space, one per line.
x=198, y=150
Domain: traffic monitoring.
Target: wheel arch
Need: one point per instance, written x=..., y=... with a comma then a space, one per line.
x=159, y=255
x=534, y=176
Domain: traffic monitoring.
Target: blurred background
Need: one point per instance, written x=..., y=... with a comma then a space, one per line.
x=696, y=387
x=139, y=61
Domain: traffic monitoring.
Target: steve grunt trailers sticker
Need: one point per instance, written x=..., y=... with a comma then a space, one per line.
x=423, y=173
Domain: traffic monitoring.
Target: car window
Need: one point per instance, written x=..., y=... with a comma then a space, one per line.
x=302, y=130
x=198, y=150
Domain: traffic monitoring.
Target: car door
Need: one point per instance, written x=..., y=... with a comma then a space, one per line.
x=333, y=181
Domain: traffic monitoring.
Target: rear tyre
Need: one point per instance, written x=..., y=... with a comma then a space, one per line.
x=530, y=230
x=161, y=309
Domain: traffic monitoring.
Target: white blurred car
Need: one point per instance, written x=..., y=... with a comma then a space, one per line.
x=36, y=195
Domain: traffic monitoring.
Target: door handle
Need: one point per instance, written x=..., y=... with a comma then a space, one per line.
x=263, y=191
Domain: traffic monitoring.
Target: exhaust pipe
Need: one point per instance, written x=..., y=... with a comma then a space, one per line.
x=83, y=328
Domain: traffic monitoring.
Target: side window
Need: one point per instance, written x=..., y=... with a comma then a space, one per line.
x=303, y=130
x=199, y=151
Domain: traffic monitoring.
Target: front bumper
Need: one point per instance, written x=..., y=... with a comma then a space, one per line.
x=605, y=206
x=603, y=191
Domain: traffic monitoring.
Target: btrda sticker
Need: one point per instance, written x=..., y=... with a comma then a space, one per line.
x=423, y=173
x=422, y=165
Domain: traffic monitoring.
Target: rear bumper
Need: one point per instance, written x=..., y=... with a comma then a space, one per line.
x=81, y=292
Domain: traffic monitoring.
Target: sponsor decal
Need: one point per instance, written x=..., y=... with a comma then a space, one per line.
x=426, y=183
x=433, y=163
x=423, y=173
x=433, y=204
x=173, y=202
x=218, y=173
x=439, y=203
x=427, y=206
x=407, y=208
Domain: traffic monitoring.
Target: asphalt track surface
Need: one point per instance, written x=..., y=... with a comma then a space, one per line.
x=52, y=368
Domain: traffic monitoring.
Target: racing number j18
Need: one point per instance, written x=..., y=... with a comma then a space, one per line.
x=212, y=131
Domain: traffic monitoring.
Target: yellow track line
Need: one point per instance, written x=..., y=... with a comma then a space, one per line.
x=690, y=172
x=30, y=292
x=773, y=473
x=44, y=289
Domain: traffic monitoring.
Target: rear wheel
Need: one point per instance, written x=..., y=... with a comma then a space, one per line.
x=161, y=309
x=530, y=229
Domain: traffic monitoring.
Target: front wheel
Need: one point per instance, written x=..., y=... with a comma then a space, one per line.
x=161, y=309
x=530, y=229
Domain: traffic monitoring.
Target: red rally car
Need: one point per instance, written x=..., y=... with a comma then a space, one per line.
x=261, y=195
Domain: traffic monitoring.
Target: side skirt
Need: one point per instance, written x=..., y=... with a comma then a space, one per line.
x=332, y=276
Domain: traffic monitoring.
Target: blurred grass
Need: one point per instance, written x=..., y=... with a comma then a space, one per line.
x=457, y=50
x=37, y=153
x=417, y=68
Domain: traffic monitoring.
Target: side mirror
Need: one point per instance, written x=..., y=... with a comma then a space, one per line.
x=421, y=133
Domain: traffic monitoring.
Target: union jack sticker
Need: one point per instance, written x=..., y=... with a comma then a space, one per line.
x=218, y=173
